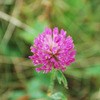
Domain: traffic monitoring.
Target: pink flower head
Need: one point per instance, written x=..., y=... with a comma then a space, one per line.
x=52, y=50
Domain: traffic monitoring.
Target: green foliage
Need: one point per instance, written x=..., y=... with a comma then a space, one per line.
x=37, y=28
x=93, y=71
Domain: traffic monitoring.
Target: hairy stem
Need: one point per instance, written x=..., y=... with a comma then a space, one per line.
x=51, y=80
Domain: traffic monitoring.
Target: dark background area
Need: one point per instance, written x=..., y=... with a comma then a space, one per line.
x=22, y=20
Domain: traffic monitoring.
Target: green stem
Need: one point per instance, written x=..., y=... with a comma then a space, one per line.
x=51, y=80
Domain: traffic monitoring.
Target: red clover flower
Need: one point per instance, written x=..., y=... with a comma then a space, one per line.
x=52, y=49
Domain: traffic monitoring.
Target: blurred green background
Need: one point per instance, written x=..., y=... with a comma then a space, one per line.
x=22, y=20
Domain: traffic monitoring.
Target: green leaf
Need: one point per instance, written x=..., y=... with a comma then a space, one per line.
x=32, y=85
x=58, y=96
x=59, y=76
x=16, y=94
x=62, y=78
